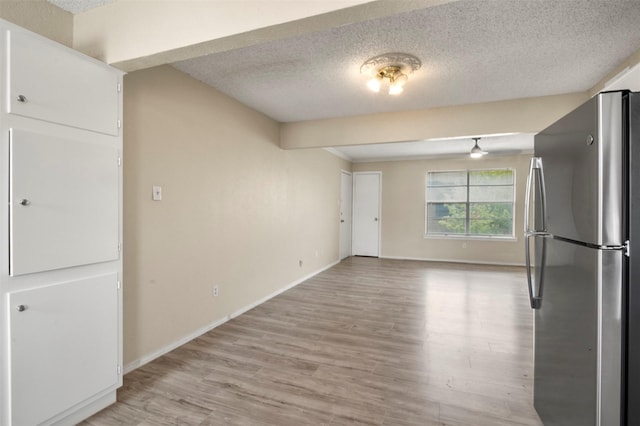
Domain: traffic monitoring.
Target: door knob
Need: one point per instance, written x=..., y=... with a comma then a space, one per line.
x=21, y=98
x=341, y=220
x=21, y=308
x=375, y=219
x=24, y=202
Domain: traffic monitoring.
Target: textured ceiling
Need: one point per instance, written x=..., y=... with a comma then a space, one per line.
x=79, y=6
x=472, y=51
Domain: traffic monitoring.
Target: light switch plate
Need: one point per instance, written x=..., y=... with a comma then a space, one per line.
x=157, y=193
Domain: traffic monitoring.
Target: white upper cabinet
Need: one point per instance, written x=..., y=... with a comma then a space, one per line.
x=60, y=86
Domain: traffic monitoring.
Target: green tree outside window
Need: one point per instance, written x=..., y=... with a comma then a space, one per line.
x=470, y=203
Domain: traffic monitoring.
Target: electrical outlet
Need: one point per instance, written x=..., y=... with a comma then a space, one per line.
x=215, y=291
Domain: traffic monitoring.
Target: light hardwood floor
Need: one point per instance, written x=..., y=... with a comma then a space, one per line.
x=367, y=342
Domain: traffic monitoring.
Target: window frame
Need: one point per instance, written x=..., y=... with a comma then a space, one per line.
x=467, y=236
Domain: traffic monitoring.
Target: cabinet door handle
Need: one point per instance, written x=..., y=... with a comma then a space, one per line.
x=21, y=308
x=24, y=202
x=21, y=98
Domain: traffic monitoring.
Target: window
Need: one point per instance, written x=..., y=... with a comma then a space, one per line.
x=475, y=203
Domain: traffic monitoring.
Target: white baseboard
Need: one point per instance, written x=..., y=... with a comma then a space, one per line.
x=282, y=290
x=199, y=332
x=148, y=358
x=469, y=262
x=85, y=410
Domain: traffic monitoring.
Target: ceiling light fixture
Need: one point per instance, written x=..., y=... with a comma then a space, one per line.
x=476, y=151
x=394, y=67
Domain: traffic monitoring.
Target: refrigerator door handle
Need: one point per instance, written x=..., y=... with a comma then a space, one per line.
x=535, y=295
x=535, y=168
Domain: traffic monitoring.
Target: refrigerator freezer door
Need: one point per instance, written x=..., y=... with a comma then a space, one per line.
x=583, y=168
x=578, y=336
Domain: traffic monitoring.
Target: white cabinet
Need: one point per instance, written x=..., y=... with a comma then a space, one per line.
x=59, y=88
x=64, y=202
x=61, y=222
x=64, y=346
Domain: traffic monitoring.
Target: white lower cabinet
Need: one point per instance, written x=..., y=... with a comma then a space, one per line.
x=64, y=343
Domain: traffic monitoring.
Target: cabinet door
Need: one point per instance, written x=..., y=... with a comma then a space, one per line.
x=60, y=86
x=64, y=346
x=64, y=203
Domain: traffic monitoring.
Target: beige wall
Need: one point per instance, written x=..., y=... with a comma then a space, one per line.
x=237, y=211
x=41, y=17
x=403, y=210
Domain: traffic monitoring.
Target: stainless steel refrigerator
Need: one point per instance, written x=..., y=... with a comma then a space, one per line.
x=582, y=217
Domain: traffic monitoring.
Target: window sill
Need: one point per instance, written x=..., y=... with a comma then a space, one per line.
x=508, y=239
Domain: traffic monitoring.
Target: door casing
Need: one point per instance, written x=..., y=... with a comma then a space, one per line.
x=346, y=216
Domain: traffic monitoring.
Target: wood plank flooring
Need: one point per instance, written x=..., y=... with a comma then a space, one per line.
x=367, y=342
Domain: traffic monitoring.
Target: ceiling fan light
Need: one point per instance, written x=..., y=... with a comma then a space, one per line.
x=395, y=89
x=390, y=68
x=397, y=82
x=476, y=151
x=374, y=84
x=400, y=79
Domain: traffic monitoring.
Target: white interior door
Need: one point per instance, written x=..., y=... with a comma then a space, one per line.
x=346, y=202
x=366, y=213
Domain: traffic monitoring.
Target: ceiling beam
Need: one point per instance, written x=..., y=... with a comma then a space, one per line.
x=133, y=35
x=528, y=115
